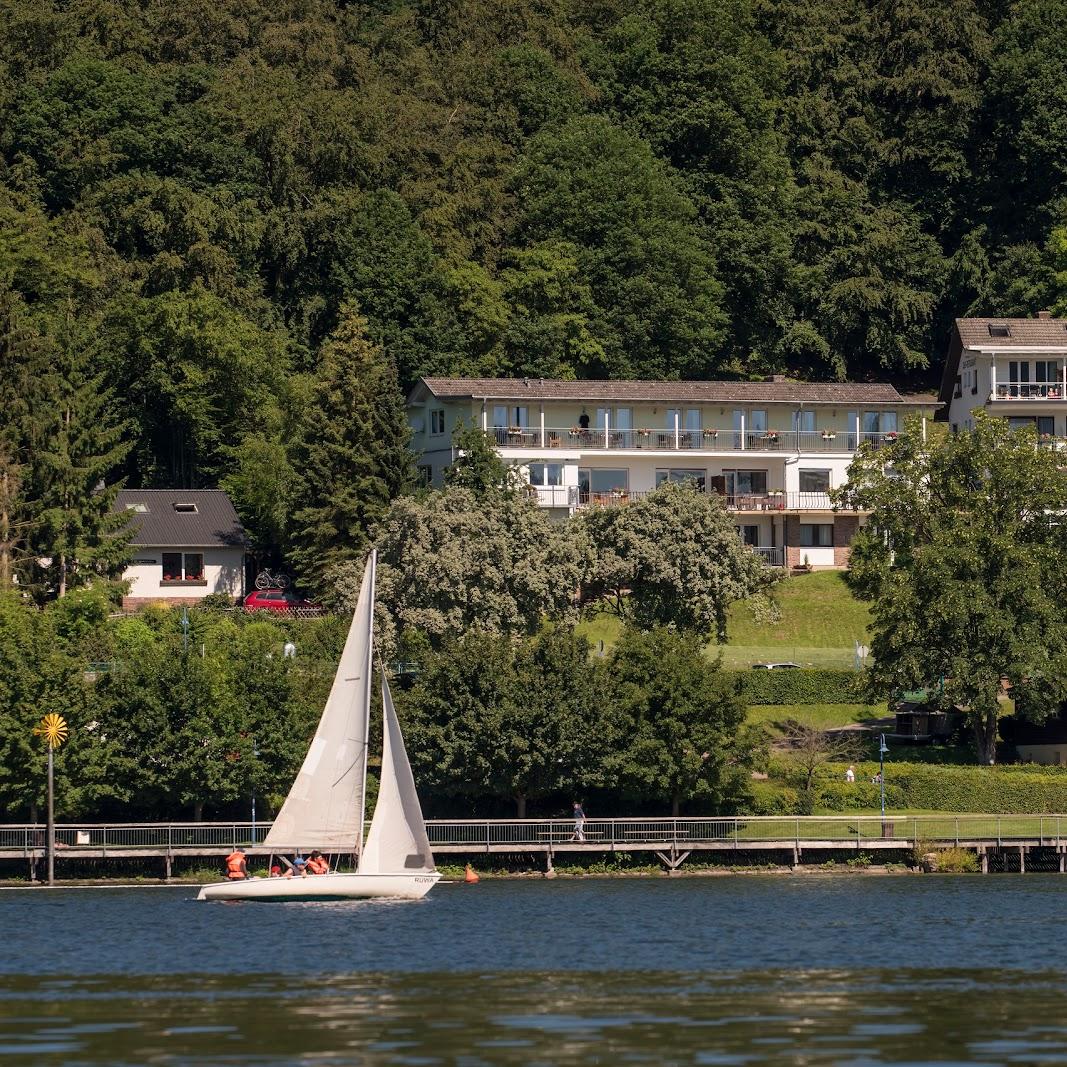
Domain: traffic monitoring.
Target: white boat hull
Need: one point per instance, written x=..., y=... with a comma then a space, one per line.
x=324, y=887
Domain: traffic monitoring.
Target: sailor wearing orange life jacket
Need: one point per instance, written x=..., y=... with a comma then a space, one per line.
x=317, y=864
x=235, y=865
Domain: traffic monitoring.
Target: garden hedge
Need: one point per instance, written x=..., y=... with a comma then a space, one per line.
x=816, y=686
x=1011, y=790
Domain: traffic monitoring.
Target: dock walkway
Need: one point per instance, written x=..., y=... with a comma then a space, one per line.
x=671, y=840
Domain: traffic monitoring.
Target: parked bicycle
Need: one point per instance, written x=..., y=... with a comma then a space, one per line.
x=266, y=580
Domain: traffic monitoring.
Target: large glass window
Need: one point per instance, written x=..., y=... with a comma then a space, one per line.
x=172, y=566
x=804, y=420
x=749, y=534
x=695, y=478
x=183, y=566
x=742, y=483
x=757, y=422
x=815, y=480
x=504, y=418
x=546, y=474
x=600, y=480
x=816, y=535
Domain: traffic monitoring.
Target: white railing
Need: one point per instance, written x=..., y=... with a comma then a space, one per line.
x=660, y=440
x=1028, y=391
x=773, y=556
x=614, y=833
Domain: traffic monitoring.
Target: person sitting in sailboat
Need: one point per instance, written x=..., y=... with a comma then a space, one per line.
x=317, y=864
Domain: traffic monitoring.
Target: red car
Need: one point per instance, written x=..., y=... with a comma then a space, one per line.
x=277, y=600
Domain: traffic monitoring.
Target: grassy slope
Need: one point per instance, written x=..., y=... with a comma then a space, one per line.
x=821, y=716
x=820, y=621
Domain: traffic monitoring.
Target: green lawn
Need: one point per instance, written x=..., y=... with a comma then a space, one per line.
x=819, y=625
x=821, y=716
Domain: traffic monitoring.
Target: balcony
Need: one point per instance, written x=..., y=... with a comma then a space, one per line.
x=772, y=556
x=710, y=440
x=1028, y=391
x=748, y=503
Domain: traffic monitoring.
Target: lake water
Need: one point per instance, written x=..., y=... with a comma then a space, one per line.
x=728, y=970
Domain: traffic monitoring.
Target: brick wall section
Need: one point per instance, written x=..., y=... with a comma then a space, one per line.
x=845, y=527
x=792, y=541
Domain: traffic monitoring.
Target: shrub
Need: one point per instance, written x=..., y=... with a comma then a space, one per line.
x=821, y=686
x=768, y=799
x=957, y=860
x=850, y=796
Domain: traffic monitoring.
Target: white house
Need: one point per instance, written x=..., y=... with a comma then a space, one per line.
x=1013, y=368
x=188, y=543
x=772, y=449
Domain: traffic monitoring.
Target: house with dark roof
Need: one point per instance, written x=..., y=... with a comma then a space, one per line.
x=771, y=449
x=1012, y=368
x=188, y=543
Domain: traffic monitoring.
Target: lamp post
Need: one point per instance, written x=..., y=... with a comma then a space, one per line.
x=185, y=629
x=53, y=729
x=882, y=750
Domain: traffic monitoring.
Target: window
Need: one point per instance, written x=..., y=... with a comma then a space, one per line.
x=1047, y=370
x=183, y=567
x=184, y=507
x=597, y=480
x=749, y=534
x=506, y=417
x=804, y=421
x=546, y=474
x=140, y=508
x=695, y=478
x=816, y=535
x=815, y=481
x=423, y=476
x=757, y=422
x=437, y=421
x=739, y=483
x=999, y=330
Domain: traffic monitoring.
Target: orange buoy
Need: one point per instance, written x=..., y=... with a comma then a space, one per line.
x=470, y=877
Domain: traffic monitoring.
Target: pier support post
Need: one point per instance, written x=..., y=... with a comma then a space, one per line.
x=673, y=861
x=1022, y=859
x=166, y=867
x=1063, y=856
x=984, y=854
x=796, y=857
x=550, y=871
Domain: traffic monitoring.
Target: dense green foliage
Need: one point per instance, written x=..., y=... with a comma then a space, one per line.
x=963, y=561
x=810, y=686
x=190, y=197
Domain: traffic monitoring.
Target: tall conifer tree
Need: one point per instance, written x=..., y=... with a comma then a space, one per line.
x=351, y=458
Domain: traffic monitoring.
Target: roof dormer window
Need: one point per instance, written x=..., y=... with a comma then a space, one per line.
x=184, y=508
x=999, y=330
x=140, y=507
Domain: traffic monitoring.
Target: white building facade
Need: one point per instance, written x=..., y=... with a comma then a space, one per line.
x=772, y=450
x=1012, y=368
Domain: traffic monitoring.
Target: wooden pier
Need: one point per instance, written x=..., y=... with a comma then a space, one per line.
x=750, y=839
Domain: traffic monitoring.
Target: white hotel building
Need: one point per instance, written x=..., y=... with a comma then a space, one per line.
x=1013, y=368
x=771, y=449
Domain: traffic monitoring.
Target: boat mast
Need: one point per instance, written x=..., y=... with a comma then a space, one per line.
x=367, y=674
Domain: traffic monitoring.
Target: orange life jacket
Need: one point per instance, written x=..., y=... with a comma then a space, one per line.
x=234, y=863
x=318, y=866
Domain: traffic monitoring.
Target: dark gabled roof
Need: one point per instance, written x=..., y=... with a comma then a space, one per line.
x=1041, y=332
x=214, y=523
x=776, y=391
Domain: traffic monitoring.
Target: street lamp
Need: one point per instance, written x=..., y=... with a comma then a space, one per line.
x=882, y=750
x=53, y=728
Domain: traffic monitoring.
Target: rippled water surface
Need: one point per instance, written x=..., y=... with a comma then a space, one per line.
x=741, y=970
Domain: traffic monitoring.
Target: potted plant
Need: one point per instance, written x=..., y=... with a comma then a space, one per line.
x=770, y=435
x=805, y=564
x=710, y=434
x=576, y=431
x=644, y=433
x=828, y=435
x=891, y=436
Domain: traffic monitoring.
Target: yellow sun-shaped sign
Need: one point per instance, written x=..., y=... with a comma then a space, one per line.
x=53, y=728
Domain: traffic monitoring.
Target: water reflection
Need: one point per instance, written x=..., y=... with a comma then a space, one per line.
x=872, y=1017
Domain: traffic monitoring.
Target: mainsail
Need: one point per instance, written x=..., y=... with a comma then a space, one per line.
x=324, y=809
x=397, y=841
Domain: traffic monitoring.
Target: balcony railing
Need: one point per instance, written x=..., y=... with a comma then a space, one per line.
x=1028, y=391
x=641, y=440
x=741, y=502
x=772, y=556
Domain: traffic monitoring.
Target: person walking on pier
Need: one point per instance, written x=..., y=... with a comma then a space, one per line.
x=579, y=823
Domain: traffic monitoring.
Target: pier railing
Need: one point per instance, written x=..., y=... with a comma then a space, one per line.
x=522, y=835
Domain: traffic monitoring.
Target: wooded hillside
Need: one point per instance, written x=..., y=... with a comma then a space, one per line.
x=195, y=196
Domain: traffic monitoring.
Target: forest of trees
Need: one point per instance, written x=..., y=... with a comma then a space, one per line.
x=226, y=227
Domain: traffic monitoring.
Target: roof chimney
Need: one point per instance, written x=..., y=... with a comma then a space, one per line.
x=776, y=378
x=1044, y=314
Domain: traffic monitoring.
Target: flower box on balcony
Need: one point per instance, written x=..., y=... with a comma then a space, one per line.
x=644, y=433
x=828, y=436
x=710, y=434
x=891, y=436
x=771, y=435
x=575, y=431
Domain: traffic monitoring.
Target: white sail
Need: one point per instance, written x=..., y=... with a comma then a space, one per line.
x=324, y=809
x=397, y=841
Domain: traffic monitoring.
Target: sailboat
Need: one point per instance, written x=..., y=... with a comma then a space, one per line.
x=326, y=806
